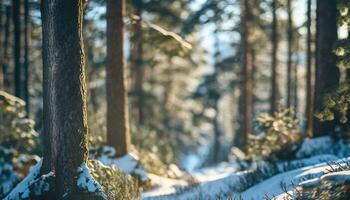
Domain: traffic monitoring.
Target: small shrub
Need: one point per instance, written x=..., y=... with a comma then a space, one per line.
x=16, y=130
x=18, y=141
x=327, y=190
x=116, y=184
x=278, y=139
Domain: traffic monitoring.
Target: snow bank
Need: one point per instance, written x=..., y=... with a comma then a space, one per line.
x=279, y=184
x=312, y=146
x=322, y=145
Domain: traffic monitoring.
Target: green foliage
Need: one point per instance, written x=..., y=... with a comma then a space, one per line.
x=18, y=140
x=279, y=137
x=337, y=101
x=116, y=184
x=16, y=130
x=342, y=47
x=157, y=150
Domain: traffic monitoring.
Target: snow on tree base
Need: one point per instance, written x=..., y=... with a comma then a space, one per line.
x=129, y=163
x=31, y=186
x=85, y=181
x=36, y=186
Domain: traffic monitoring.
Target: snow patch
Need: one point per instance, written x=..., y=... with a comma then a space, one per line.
x=128, y=163
x=310, y=146
x=86, y=181
x=277, y=185
x=22, y=189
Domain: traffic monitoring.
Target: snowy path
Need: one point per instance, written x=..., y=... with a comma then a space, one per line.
x=224, y=181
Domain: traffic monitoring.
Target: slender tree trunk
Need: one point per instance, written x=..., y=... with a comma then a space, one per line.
x=117, y=106
x=65, y=120
x=246, y=73
x=17, y=47
x=168, y=86
x=274, y=69
x=254, y=81
x=217, y=135
x=289, y=56
x=26, y=54
x=6, y=45
x=139, y=67
x=2, y=61
x=309, y=84
x=327, y=74
x=295, y=74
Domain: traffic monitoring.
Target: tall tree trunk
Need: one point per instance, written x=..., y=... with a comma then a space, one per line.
x=26, y=54
x=254, y=81
x=117, y=106
x=246, y=73
x=274, y=69
x=1, y=49
x=65, y=120
x=16, y=4
x=6, y=45
x=327, y=74
x=138, y=66
x=309, y=84
x=289, y=56
x=295, y=76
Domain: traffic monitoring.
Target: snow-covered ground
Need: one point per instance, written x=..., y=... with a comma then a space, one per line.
x=259, y=181
x=224, y=181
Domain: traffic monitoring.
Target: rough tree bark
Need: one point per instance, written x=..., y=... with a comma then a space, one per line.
x=65, y=120
x=309, y=83
x=117, y=106
x=274, y=72
x=327, y=74
x=17, y=47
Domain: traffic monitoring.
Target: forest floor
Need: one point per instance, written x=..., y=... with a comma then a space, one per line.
x=264, y=181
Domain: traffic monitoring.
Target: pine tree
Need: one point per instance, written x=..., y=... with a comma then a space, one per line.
x=26, y=54
x=274, y=70
x=326, y=69
x=5, y=55
x=337, y=102
x=117, y=104
x=65, y=118
x=1, y=48
x=16, y=12
x=138, y=62
x=247, y=85
x=309, y=84
x=289, y=54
